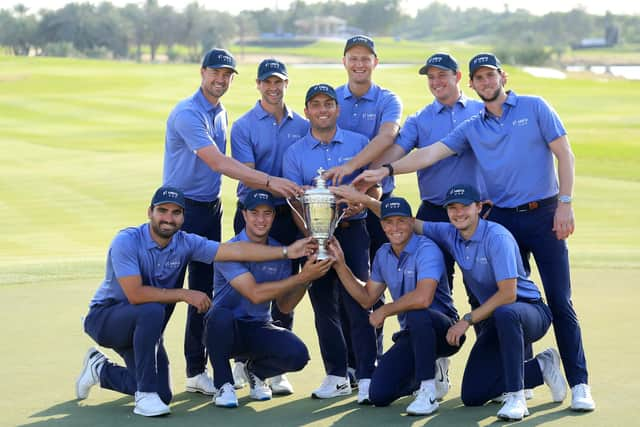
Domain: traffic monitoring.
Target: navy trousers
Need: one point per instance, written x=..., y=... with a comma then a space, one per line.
x=412, y=357
x=284, y=230
x=268, y=349
x=327, y=294
x=497, y=362
x=533, y=232
x=204, y=219
x=135, y=333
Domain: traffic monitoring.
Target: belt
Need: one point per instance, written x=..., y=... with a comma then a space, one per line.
x=280, y=209
x=199, y=203
x=531, y=300
x=531, y=206
x=428, y=204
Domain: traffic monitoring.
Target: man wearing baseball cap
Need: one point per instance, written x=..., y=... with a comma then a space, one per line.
x=327, y=145
x=412, y=268
x=143, y=281
x=510, y=306
x=515, y=139
x=259, y=139
x=194, y=160
x=239, y=322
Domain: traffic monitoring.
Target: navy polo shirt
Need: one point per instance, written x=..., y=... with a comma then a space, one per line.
x=224, y=295
x=134, y=253
x=194, y=124
x=420, y=259
x=429, y=126
x=366, y=114
x=257, y=138
x=489, y=256
x=513, y=150
x=303, y=159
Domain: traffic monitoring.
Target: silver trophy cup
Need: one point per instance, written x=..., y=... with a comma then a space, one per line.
x=319, y=213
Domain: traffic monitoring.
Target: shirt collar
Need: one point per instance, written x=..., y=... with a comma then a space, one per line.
x=511, y=101
x=410, y=248
x=462, y=100
x=369, y=96
x=261, y=113
x=312, y=142
x=149, y=243
x=478, y=235
x=204, y=103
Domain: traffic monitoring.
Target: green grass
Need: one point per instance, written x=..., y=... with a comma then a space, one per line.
x=81, y=153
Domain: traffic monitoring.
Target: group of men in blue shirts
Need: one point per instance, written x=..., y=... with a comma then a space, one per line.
x=243, y=307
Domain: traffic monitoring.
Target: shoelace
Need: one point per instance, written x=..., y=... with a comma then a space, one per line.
x=581, y=392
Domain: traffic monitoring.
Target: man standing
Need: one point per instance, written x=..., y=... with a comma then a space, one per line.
x=143, y=281
x=412, y=267
x=515, y=139
x=194, y=160
x=239, y=323
x=259, y=139
x=325, y=146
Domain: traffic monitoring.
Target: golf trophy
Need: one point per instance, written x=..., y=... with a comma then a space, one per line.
x=320, y=213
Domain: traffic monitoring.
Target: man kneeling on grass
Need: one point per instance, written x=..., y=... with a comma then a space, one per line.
x=143, y=280
x=239, y=322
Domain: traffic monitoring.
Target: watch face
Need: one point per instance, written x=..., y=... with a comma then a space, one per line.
x=565, y=199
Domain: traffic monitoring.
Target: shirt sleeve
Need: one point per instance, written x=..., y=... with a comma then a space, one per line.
x=124, y=256
x=193, y=129
x=502, y=251
x=429, y=262
x=291, y=165
x=202, y=249
x=231, y=269
x=457, y=140
x=391, y=109
x=408, y=136
x=376, y=268
x=438, y=232
x=241, y=146
x=549, y=122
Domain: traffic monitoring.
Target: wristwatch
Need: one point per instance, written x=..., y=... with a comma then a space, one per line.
x=285, y=252
x=467, y=318
x=564, y=198
x=389, y=167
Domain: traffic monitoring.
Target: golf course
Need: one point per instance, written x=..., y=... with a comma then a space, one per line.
x=81, y=149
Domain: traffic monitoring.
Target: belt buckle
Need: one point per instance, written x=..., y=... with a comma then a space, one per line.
x=344, y=224
x=533, y=205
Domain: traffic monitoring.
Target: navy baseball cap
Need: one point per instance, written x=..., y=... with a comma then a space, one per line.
x=272, y=67
x=360, y=40
x=461, y=193
x=440, y=60
x=166, y=194
x=256, y=198
x=318, y=89
x=484, y=60
x=219, y=58
x=395, y=206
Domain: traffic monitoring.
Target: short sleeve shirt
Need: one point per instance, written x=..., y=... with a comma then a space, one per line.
x=134, y=253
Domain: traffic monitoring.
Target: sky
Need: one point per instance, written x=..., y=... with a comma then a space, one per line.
x=538, y=7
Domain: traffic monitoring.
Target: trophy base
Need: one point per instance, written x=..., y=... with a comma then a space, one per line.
x=322, y=250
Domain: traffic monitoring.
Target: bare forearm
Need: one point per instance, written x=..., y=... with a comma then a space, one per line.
x=268, y=291
x=421, y=158
x=246, y=251
x=496, y=300
x=355, y=287
x=146, y=294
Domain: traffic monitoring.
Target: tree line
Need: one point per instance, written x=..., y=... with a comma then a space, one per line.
x=83, y=29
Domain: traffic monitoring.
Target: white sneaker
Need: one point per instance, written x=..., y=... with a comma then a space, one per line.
x=239, y=378
x=150, y=405
x=442, y=377
x=226, y=397
x=514, y=407
x=258, y=389
x=425, y=402
x=363, y=391
x=549, y=361
x=90, y=373
x=528, y=395
x=201, y=383
x=332, y=386
x=581, y=399
x=280, y=385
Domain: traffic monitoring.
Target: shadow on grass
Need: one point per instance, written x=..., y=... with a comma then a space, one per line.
x=194, y=409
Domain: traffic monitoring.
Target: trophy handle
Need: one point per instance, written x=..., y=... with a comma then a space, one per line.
x=336, y=222
x=306, y=227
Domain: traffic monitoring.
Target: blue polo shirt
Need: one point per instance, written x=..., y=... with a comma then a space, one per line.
x=513, y=150
x=429, y=126
x=303, y=159
x=420, y=259
x=257, y=138
x=366, y=114
x=134, y=253
x=193, y=124
x=224, y=295
x=489, y=256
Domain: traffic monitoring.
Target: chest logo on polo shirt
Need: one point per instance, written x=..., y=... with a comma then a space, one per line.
x=172, y=263
x=269, y=269
x=368, y=116
x=482, y=260
x=294, y=136
x=344, y=159
x=520, y=122
x=409, y=272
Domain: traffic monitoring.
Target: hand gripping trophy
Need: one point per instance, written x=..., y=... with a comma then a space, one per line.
x=319, y=213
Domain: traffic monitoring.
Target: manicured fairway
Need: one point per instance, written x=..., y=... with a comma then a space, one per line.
x=81, y=152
